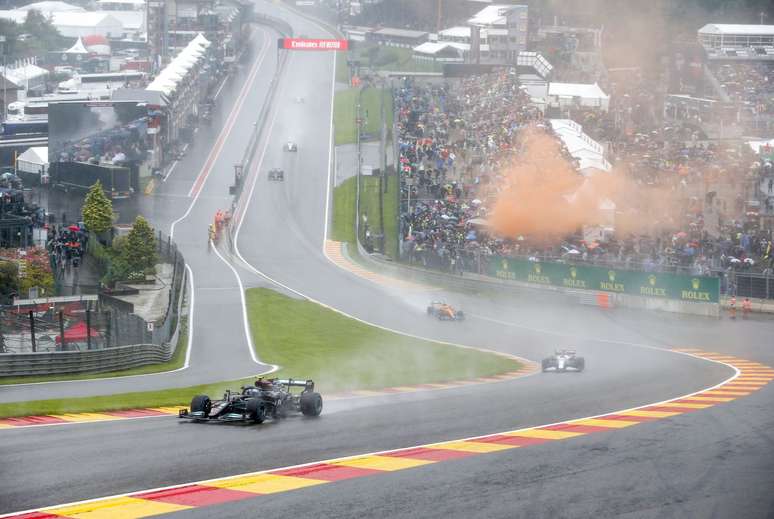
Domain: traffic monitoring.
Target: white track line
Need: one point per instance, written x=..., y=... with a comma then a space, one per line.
x=245, y=320
x=377, y=453
x=204, y=173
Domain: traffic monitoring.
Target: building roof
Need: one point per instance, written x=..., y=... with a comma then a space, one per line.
x=22, y=74
x=736, y=29
x=433, y=48
x=589, y=153
x=401, y=33
x=491, y=15
x=592, y=91
x=85, y=19
x=130, y=20
x=78, y=48
x=51, y=6
x=456, y=32
x=127, y=2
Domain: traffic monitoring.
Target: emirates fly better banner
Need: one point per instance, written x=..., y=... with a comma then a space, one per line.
x=649, y=284
x=312, y=44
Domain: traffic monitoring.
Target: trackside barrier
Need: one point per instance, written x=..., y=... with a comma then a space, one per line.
x=93, y=361
x=101, y=360
x=472, y=282
x=245, y=165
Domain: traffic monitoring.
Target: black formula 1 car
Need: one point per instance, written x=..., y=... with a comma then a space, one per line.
x=276, y=175
x=444, y=312
x=563, y=361
x=269, y=398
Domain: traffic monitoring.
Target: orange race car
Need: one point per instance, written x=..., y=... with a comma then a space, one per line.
x=444, y=312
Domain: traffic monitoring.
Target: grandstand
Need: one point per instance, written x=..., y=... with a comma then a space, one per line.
x=737, y=42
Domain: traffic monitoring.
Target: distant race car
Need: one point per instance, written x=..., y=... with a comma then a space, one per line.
x=269, y=398
x=291, y=146
x=276, y=174
x=444, y=312
x=564, y=361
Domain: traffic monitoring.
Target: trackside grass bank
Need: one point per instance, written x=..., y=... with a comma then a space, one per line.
x=176, y=362
x=309, y=341
x=339, y=353
x=345, y=110
x=344, y=195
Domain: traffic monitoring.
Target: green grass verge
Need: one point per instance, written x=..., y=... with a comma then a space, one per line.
x=345, y=109
x=309, y=341
x=342, y=69
x=340, y=353
x=177, y=361
x=343, y=228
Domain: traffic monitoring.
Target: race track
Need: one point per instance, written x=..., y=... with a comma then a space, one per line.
x=715, y=462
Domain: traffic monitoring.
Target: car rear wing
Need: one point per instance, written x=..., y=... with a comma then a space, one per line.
x=308, y=385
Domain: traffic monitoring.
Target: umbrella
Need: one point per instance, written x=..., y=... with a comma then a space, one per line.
x=476, y=201
x=573, y=251
x=74, y=228
x=749, y=261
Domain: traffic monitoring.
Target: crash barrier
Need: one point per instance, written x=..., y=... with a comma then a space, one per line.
x=243, y=168
x=471, y=281
x=90, y=333
x=94, y=361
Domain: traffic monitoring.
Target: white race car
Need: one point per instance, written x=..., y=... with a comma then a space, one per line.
x=563, y=361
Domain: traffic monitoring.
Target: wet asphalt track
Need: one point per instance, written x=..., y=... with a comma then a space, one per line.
x=712, y=463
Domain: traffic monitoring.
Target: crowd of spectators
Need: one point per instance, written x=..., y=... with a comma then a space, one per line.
x=114, y=146
x=749, y=83
x=455, y=139
x=66, y=247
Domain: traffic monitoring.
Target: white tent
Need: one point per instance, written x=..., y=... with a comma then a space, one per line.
x=201, y=40
x=576, y=94
x=78, y=48
x=34, y=161
x=588, y=152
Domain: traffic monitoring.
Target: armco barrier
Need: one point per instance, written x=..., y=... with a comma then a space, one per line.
x=94, y=361
x=478, y=282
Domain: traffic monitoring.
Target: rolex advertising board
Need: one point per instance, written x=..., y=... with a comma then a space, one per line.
x=648, y=284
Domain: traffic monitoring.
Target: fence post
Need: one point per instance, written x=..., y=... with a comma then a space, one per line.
x=61, y=331
x=108, y=336
x=32, y=331
x=88, y=328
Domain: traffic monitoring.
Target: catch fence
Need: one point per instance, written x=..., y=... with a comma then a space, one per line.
x=89, y=322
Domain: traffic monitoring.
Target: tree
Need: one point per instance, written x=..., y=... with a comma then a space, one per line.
x=97, y=210
x=9, y=281
x=139, y=251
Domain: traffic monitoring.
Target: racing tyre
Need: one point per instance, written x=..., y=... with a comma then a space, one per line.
x=311, y=404
x=256, y=410
x=201, y=404
x=546, y=363
x=460, y=316
x=580, y=363
x=429, y=310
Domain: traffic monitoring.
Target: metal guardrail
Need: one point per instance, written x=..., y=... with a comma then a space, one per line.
x=94, y=361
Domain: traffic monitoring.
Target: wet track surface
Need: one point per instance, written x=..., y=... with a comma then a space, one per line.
x=713, y=463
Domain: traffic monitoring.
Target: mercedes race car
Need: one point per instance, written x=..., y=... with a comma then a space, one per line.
x=276, y=174
x=444, y=312
x=291, y=146
x=564, y=361
x=269, y=398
